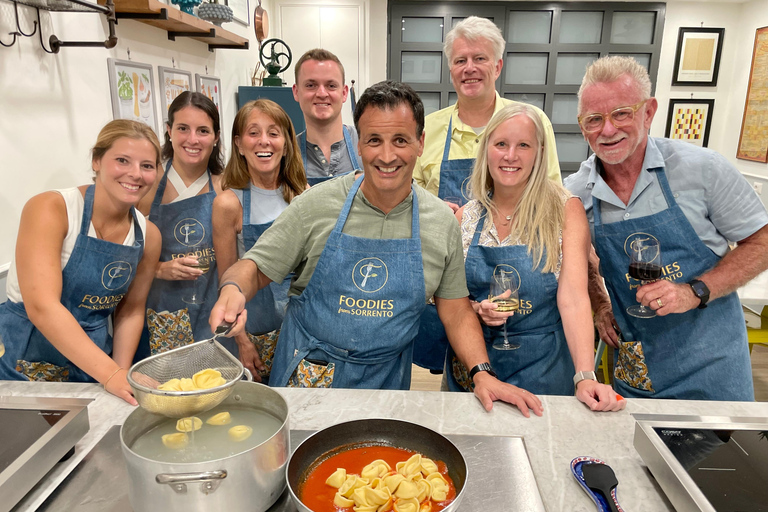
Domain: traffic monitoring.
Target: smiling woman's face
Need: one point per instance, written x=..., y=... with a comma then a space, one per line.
x=262, y=143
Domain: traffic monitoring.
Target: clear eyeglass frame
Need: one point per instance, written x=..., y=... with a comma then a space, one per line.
x=621, y=116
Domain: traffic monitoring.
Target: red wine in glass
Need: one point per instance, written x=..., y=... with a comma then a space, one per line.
x=645, y=266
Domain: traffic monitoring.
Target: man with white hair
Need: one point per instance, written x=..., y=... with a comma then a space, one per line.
x=691, y=342
x=474, y=49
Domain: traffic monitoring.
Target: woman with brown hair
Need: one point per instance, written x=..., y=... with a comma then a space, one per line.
x=263, y=175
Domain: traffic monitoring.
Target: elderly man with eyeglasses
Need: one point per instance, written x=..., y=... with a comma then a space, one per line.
x=691, y=343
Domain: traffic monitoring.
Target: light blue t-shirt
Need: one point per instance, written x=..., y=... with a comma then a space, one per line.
x=712, y=193
x=266, y=206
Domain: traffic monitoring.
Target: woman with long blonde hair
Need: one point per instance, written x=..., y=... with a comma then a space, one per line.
x=527, y=224
x=263, y=175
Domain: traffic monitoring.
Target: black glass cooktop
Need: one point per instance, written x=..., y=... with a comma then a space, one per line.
x=21, y=428
x=729, y=466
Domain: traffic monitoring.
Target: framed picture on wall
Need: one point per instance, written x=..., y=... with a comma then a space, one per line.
x=132, y=91
x=172, y=83
x=689, y=120
x=210, y=86
x=753, y=139
x=697, y=59
x=241, y=11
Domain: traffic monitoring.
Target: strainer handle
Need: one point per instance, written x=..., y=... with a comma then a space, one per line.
x=248, y=375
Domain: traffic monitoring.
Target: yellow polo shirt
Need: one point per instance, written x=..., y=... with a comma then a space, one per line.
x=464, y=144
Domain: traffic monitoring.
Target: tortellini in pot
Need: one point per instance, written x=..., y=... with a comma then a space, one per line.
x=240, y=433
x=176, y=441
x=189, y=424
x=222, y=418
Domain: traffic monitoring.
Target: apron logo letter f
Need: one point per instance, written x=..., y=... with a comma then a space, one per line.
x=189, y=232
x=370, y=275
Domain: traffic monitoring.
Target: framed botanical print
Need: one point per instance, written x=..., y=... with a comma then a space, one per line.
x=172, y=83
x=210, y=86
x=131, y=86
x=753, y=139
x=690, y=120
x=697, y=59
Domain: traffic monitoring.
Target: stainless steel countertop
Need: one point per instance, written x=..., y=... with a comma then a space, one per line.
x=500, y=477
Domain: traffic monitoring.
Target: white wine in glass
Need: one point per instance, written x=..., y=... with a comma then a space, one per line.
x=194, y=297
x=504, y=292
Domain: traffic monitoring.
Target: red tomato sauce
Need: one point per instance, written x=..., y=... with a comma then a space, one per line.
x=318, y=496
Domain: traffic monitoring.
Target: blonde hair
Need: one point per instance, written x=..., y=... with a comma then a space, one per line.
x=611, y=68
x=120, y=128
x=291, y=174
x=540, y=213
x=472, y=29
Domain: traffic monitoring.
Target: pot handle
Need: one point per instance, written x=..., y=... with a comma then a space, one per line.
x=248, y=375
x=178, y=481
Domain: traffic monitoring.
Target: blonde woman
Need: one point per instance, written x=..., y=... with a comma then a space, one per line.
x=263, y=175
x=522, y=220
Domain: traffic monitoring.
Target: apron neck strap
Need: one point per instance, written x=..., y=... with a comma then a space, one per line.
x=301, y=139
x=350, y=150
x=247, y=205
x=479, y=227
x=447, y=148
x=85, y=224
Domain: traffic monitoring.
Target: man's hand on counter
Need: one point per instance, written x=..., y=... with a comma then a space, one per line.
x=599, y=397
x=488, y=389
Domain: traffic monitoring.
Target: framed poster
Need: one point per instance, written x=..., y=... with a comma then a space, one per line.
x=697, y=59
x=210, y=86
x=240, y=11
x=172, y=83
x=753, y=140
x=132, y=91
x=690, y=120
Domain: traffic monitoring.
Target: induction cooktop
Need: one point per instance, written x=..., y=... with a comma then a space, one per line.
x=36, y=433
x=715, y=464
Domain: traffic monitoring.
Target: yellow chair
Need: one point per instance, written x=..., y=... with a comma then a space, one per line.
x=757, y=336
x=601, y=361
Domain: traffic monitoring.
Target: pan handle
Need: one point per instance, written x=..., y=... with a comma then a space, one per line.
x=210, y=480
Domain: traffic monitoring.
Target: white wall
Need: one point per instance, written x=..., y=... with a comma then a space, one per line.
x=53, y=106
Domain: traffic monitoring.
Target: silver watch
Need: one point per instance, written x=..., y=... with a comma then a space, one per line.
x=580, y=376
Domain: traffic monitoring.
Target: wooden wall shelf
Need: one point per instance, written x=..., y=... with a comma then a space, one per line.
x=177, y=23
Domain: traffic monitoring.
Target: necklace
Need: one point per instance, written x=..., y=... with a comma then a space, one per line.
x=104, y=236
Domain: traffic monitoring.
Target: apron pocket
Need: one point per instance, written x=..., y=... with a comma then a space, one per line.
x=461, y=375
x=42, y=371
x=631, y=368
x=310, y=375
x=265, y=345
x=168, y=330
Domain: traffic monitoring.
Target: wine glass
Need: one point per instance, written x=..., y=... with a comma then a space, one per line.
x=505, y=284
x=645, y=266
x=192, y=296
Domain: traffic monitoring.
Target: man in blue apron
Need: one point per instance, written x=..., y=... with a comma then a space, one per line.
x=367, y=251
x=694, y=203
x=328, y=147
x=474, y=49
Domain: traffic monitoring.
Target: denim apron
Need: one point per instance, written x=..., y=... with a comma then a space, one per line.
x=187, y=230
x=314, y=180
x=701, y=354
x=542, y=364
x=359, y=312
x=93, y=282
x=267, y=308
x=432, y=342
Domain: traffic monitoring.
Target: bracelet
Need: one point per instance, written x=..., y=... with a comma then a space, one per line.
x=225, y=283
x=110, y=377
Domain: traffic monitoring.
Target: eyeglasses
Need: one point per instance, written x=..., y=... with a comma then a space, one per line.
x=621, y=116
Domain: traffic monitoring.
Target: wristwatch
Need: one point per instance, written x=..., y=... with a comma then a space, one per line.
x=701, y=291
x=580, y=376
x=482, y=367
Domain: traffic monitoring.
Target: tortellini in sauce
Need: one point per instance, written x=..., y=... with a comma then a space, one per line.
x=412, y=487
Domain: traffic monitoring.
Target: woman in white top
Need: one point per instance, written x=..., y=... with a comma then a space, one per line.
x=527, y=226
x=184, y=289
x=263, y=175
x=81, y=254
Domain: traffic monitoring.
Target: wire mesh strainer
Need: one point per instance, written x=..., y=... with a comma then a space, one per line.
x=184, y=362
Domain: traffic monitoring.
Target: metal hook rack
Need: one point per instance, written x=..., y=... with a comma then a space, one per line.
x=54, y=42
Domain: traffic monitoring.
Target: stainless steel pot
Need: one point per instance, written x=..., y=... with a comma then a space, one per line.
x=385, y=432
x=250, y=481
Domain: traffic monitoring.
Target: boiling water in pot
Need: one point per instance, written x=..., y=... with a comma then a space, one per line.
x=210, y=442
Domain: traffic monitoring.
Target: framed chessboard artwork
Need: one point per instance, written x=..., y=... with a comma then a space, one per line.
x=690, y=120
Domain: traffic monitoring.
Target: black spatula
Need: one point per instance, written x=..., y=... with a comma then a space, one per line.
x=601, y=479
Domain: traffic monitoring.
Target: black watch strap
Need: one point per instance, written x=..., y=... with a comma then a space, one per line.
x=482, y=367
x=701, y=291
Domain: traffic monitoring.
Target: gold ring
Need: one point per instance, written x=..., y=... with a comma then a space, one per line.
x=658, y=301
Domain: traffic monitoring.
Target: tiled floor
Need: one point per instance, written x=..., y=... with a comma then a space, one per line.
x=422, y=380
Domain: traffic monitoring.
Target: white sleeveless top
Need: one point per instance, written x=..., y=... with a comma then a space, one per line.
x=75, y=204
